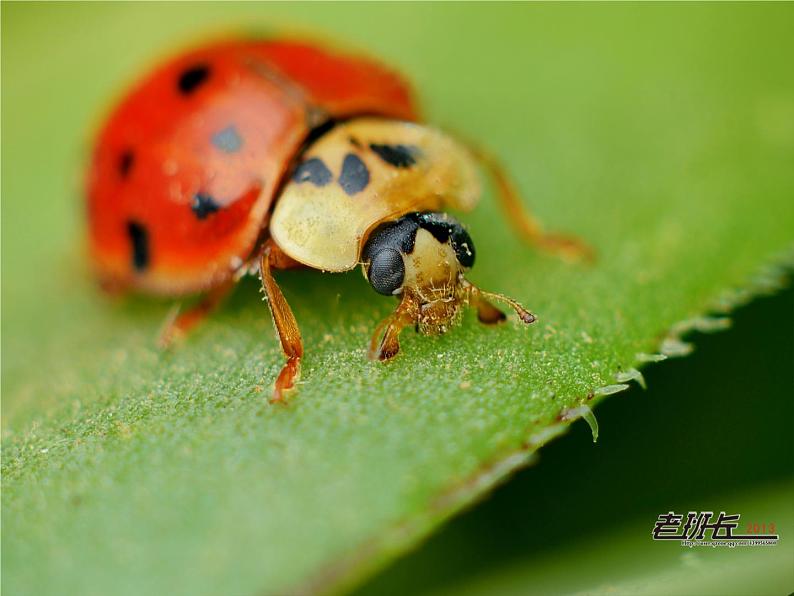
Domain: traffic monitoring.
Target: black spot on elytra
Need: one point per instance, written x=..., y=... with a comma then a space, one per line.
x=126, y=161
x=192, y=78
x=204, y=205
x=313, y=170
x=355, y=142
x=227, y=140
x=399, y=156
x=139, y=239
x=355, y=175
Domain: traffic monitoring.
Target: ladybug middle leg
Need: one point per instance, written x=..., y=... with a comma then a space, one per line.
x=528, y=226
x=287, y=327
x=177, y=324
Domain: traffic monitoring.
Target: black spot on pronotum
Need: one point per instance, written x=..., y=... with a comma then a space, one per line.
x=227, y=140
x=126, y=161
x=139, y=240
x=192, y=78
x=399, y=156
x=204, y=205
x=312, y=170
x=355, y=175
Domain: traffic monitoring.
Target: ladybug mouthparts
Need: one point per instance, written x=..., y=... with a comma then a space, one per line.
x=435, y=314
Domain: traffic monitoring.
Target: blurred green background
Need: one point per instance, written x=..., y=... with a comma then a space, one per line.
x=661, y=133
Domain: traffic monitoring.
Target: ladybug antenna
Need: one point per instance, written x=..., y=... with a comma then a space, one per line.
x=486, y=312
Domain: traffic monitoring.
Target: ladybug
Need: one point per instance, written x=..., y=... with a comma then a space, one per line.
x=245, y=156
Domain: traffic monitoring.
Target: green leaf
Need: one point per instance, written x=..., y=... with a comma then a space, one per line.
x=662, y=134
x=714, y=435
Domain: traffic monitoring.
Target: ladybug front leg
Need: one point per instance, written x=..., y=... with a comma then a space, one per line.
x=177, y=324
x=385, y=343
x=287, y=327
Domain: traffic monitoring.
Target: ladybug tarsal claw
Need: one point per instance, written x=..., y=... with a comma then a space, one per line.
x=568, y=248
x=386, y=350
x=169, y=331
x=286, y=380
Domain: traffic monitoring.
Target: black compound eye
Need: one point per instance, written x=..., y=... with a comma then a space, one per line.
x=386, y=271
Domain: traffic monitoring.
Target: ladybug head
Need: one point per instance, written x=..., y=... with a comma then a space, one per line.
x=422, y=258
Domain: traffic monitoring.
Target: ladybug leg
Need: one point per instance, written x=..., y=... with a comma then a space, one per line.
x=487, y=313
x=385, y=343
x=528, y=226
x=287, y=327
x=177, y=324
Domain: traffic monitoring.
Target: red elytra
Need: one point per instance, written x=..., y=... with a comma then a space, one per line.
x=214, y=131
